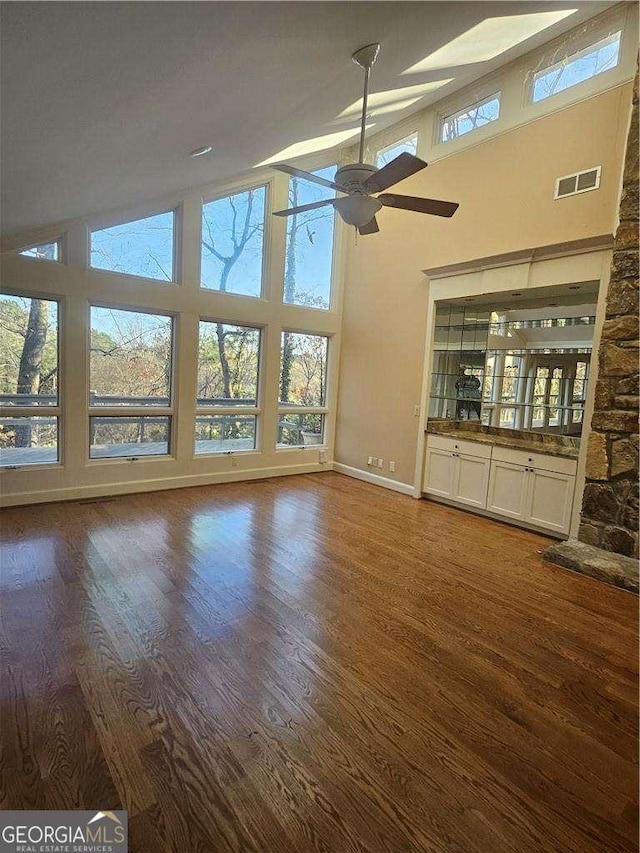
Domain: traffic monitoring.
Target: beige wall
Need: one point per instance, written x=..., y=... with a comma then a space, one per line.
x=505, y=189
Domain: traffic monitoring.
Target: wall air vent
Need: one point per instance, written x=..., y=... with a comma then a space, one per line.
x=581, y=182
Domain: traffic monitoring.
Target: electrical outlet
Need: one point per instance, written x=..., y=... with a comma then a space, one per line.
x=380, y=463
x=322, y=457
x=392, y=466
x=416, y=411
x=370, y=460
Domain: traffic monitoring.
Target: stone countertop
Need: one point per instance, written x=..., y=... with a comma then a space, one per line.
x=514, y=443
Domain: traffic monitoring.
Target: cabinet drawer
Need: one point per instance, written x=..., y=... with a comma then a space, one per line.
x=456, y=445
x=542, y=461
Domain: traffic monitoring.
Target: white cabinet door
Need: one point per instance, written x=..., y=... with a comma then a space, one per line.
x=471, y=480
x=439, y=472
x=550, y=499
x=508, y=489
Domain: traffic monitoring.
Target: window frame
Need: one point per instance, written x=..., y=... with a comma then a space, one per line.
x=251, y=411
x=39, y=411
x=176, y=249
x=227, y=192
x=121, y=411
x=293, y=408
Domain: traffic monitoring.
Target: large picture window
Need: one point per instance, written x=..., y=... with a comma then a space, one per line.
x=309, y=252
x=29, y=362
x=141, y=248
x=233, y=243
x=130, y=370
x=227, y=390
x=302, y=397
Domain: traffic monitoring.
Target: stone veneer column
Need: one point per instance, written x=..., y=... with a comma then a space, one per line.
x=610, y=504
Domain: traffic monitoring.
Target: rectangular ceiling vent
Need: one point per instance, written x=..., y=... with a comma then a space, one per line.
x=581, y=182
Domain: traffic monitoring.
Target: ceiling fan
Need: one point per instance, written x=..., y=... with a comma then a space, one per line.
x=359, y=182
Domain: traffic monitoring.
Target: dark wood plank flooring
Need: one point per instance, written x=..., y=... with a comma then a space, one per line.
x=314, y=664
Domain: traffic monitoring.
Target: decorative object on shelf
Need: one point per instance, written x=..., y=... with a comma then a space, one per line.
x=468, y=392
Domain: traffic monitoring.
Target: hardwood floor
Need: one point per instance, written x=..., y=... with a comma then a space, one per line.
x=314, y=664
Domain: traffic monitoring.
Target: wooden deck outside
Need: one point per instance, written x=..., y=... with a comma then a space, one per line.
x=42, y=455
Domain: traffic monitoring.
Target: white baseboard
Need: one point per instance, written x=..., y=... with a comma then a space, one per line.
x=375, y=479
x=156, y=485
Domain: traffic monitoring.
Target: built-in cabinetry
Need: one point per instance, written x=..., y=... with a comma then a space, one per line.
x=458, y=470
x=534, y=489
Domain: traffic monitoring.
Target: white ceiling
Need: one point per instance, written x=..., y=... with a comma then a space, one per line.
x=101, y=102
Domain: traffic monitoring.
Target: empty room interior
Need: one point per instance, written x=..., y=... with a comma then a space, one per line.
x=319, y=427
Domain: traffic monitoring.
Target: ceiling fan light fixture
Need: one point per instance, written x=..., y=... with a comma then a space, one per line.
x=357, y=209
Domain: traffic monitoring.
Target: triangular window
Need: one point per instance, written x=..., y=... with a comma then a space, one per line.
x=44, y=252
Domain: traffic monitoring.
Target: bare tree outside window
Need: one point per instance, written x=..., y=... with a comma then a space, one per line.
x=130, y=368
x=596, y=59
x=306, y=388
x=470, y=118
x=308, y=260
x=42, y=252
x=28, y=368
x=130, y=359
x=141, y=248
x=233, y=378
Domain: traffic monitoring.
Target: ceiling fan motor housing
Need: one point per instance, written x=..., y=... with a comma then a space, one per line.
x=352, y=177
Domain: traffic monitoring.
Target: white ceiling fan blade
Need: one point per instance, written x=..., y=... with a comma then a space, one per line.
x=369, y=228
x=304, y=207
x=308, y=176
x=401, y=167
x=433, y=206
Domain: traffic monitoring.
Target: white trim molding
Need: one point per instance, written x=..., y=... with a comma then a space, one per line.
x=104, y=490
x=374, y=479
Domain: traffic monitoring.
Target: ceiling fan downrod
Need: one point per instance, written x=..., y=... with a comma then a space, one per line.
x=362, y=185
x=365, y=58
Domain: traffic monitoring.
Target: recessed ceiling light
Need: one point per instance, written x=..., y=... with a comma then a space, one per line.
x=200, y=152
x=516, y=294
x=574, y=287
x=553, y=305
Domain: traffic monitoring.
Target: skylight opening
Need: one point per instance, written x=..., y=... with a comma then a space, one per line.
x=597, y=58
x=488, y=39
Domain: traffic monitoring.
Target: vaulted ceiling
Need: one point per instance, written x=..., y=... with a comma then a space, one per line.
x=102, y=102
